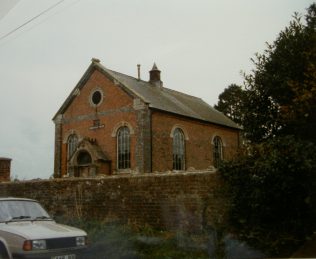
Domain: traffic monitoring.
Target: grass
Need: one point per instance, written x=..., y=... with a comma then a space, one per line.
x=114, y=240
x=121, y=241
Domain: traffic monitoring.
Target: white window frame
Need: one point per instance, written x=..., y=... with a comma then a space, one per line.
x=123, y=162
x=178, y=150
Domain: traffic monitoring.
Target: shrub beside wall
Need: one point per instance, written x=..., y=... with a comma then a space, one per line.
x=188, y=201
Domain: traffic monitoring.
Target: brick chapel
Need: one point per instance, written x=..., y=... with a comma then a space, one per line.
x=114, y=123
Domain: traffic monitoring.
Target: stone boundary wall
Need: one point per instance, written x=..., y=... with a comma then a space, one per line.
x=188, y=201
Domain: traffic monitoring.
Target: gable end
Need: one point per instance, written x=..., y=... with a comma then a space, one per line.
x=83, y=80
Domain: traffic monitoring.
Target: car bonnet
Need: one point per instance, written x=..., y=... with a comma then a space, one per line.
x=40, y=229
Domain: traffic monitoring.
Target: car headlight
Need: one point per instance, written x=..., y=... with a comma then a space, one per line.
x=80, y=241
x=34, y=245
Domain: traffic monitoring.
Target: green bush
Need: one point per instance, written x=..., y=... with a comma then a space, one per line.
x=272, y=195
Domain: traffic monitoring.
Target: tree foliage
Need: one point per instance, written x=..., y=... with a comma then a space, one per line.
x=271, y=193
x=231, y=103
x=281, y=90
x=272, y=184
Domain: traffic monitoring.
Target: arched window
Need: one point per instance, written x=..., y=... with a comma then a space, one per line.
x=217, y=151
x=71, y=145
x=178, y=150
x=123, y=148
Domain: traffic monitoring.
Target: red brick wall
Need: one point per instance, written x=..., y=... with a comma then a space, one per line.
x=175, y=201
x=150, y=151
x=198, y=146
x=5, y=168
x=117, y=106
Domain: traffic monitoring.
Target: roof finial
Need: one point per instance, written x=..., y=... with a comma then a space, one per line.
x=95, y=60
x=155, y=67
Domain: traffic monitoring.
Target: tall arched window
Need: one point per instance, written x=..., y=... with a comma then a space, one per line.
x=217, y=151
x=123, y=148
x=71, y=145
x=178, y=150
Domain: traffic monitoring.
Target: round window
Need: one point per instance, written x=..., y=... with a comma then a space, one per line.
x=96, y=97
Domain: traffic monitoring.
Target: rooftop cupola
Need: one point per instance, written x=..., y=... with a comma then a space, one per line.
x=154, y=76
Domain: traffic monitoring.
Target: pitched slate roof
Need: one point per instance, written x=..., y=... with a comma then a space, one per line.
x=156, y=97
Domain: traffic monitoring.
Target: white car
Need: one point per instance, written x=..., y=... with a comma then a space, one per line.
x=27, y=231
x=4, y=250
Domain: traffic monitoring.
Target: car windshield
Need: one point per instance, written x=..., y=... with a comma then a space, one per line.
x=21, y=210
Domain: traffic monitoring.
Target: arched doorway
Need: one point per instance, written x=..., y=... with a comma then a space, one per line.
x=84, y=162
x=89, y=160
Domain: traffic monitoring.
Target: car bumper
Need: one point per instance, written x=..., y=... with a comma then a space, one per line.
x=75, y=253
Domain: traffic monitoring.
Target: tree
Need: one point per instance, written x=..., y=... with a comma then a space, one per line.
x=230, y=103
x=272, y=192
x=272, y=184
x=281, y=90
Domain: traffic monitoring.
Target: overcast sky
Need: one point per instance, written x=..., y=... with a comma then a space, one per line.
x=200, y=46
